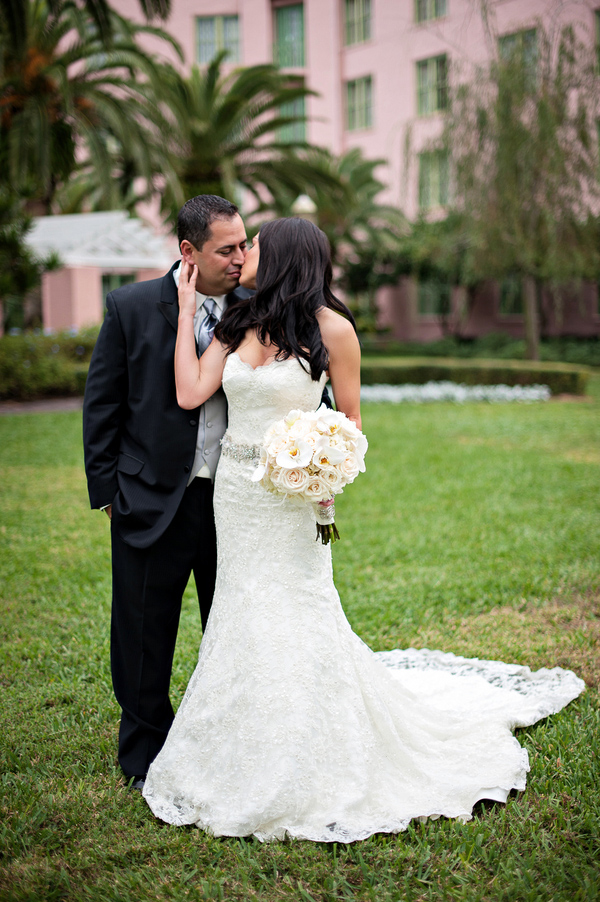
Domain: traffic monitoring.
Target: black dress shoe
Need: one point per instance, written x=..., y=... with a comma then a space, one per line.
x=137, y=782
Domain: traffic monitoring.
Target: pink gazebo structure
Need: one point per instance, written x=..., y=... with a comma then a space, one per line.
x=98, y=252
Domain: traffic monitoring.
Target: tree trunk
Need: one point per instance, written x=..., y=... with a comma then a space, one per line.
x=532, y=319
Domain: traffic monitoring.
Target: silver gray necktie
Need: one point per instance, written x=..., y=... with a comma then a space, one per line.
x=207, y=326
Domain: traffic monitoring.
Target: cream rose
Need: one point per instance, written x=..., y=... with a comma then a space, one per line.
x=293, y=481
x=274, y=474
x=316, y=489
x=333, y=479
x=277, y=444
x=299, y=429
x=349, y=467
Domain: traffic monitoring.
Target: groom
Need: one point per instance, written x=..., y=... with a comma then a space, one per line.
x=150, y=465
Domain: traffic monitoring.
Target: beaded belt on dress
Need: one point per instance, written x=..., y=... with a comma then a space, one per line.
x=239, y=451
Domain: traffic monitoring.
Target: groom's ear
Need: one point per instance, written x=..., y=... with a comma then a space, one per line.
x=187, y=251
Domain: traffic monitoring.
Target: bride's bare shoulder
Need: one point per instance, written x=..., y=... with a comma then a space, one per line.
x=334, y=326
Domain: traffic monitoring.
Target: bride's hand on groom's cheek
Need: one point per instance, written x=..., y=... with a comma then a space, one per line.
x=187, y=288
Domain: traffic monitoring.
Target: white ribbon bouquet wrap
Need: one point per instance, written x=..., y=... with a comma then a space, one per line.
x=309, y=457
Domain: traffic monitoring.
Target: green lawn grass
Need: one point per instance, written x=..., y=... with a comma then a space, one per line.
x=475, y=530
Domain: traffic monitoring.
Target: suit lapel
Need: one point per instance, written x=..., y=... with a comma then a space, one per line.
x=168, y=304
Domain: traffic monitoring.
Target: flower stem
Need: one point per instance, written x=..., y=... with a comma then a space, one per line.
x=327, y=533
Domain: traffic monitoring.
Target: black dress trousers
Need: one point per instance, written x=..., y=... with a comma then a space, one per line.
x=148, y=585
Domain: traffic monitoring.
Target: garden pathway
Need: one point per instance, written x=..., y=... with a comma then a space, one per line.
x=45, y=405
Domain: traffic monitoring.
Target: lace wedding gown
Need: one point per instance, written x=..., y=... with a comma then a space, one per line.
x=291, y=726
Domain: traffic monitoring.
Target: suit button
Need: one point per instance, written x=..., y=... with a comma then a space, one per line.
x=193, y=422
x=186, y=469
x=208, y=425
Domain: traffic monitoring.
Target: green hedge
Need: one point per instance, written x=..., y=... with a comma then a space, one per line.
x=559, y=377
x=40, y=366
x=496, y=345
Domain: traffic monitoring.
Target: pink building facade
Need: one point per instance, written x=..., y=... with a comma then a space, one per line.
x=99, y=252
x=379, y=69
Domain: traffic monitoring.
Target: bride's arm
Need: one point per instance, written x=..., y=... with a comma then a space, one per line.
x=196, y=380
x=342, y=344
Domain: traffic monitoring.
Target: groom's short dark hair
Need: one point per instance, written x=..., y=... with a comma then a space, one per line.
x=197, y=214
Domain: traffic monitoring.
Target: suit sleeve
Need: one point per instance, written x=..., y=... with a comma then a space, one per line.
x=104, y=408
x=325, y=399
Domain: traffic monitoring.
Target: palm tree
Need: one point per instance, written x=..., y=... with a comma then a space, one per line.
x=344, y=192
x=20, y=269
x=352, y=218
x=68, y=100
x=228, y=135
x=100, y=12
x=367, y=238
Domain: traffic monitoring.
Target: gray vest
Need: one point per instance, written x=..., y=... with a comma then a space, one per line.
x=212, y=424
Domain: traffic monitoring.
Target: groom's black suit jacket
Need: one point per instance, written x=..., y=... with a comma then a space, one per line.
x=139, y=444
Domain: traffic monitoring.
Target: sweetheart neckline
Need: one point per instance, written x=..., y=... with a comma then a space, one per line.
x=262, y=366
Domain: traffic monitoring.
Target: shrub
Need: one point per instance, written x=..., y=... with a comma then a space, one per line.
x=560, y=378
x=37, y=366
x=498, y=346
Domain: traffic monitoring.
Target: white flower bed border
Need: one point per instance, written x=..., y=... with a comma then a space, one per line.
x=452, y=391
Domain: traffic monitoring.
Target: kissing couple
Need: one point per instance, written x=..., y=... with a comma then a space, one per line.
x=291, y=727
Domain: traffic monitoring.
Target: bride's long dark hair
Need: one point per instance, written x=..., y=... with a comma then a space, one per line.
x=293, y=281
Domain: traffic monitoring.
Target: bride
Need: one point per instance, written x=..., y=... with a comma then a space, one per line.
x=291, y=726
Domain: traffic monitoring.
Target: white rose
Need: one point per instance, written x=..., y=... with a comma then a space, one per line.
x=274, y=474
x=333, y=479
x=277, y=444
x=350, y=429
x=316, y=489
x=300, y=428
x=314, y=439
x=349, y=467
x=293, y=481
x=338, y=441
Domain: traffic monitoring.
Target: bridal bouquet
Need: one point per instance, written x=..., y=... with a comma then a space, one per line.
x=309, y=457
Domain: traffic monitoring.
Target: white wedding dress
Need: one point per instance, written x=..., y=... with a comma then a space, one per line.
x=291, y=726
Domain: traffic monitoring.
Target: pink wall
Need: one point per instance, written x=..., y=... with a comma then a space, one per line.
x=398, y=133
x=72, y=297
x=397, y=43
x=577, y=314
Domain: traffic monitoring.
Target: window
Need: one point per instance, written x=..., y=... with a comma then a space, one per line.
x=511, y=297
x=429, y=9
x=295, y=131
x=289, y=36
x=433, y=298
x=521, y=46
x=432, y=85
x=433, y=179
x=358, y=21
x=216, y=33
x=359, y=110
